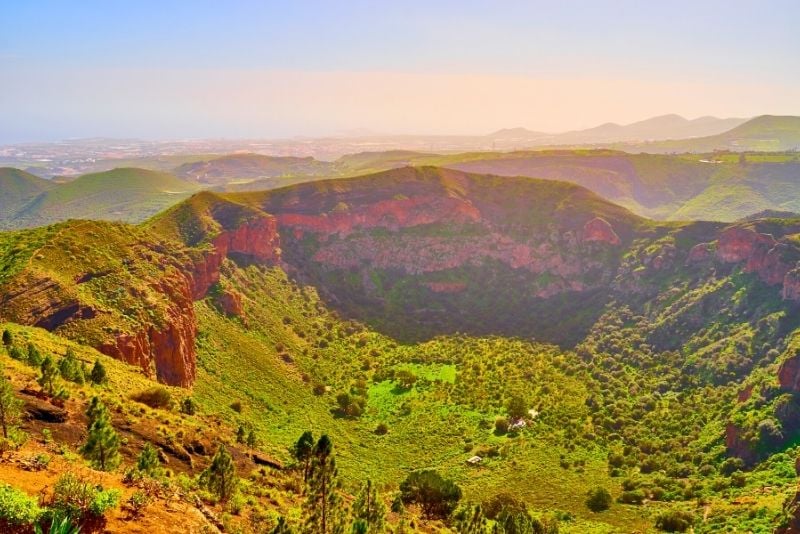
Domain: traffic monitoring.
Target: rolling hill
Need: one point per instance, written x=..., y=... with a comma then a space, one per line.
x=763, y=133
x=18, y=188
x=242, y=168
x=654, y=129
x=126, y=194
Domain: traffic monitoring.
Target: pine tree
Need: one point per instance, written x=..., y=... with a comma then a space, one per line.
x=49, y=371
x=8, y=338
x=369, y=508
x=252, y=440
x=10, y=406
x=98, y=375
x=102, y=445
x=70, y=368
x=220, y=476
x=282, y=527
x=323, y=505
x=241, y=434
x=472, y=522
x=148, y=462
x=94, y=408
x=302, y=451
x=34, y=356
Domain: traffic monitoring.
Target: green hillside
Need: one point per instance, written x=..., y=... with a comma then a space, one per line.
x=244, y=168
x=412, y=316
x=127, y=194
x=18, y=189
x=764, y=133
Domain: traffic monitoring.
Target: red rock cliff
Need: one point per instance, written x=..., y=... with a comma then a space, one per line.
x=598, y=229
x=761, y=254
x=391, y=214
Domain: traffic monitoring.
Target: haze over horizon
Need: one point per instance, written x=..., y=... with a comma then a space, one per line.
x=266, y=70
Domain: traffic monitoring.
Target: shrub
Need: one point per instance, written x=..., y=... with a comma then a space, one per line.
x=730, y=465
x=78, y=498
x=136, y=503
x=436, y=495
x=501, y=425
x=632, y=497
x=738, y=479
x=59, y=524
x=350, y=405
x=502, y=501
x=148, y=462
x=382, y=429
x=405, y=379
x=98, y=375
x=154, y=397
x=236, y=406
x=17, y=508
x=674, y=521
x=516, y=408
x=188, y=406
x=598, y=499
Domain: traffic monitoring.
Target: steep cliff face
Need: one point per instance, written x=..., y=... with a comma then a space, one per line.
x=127, y=293
x=773, y=261
x=391, y=214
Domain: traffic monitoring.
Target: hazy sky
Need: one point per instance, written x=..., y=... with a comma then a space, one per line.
x=172, y=69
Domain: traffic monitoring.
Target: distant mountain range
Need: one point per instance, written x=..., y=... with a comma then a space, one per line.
x=655, y=129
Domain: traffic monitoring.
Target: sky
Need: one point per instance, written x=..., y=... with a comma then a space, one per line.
x=266, y=69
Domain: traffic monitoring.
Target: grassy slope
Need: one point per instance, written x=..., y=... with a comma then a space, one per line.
x=431, y=426
x=126, y=194
x=18, y=188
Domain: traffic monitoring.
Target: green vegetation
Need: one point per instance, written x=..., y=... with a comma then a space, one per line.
x=441, y=404
x=126, y=194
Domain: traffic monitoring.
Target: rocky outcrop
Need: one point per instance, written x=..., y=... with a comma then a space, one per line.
x=737, y=446
x=700, y=253
x=761, y=254
x=256, y=241
x=791, y=285
x=391, y=214
x=599, y=230
x=789, y=373
x=738, y=244
x=229, y=301
x=160, y=336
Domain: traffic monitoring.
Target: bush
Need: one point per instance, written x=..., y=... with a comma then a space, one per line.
x=188, y=406
x=738, y=479
x=598, y=499
x=137, y=502
x=501, y=425
x=17, y=508
x=382, y=429
x=632, y=497
x=436, y=495
x=98, y=375
x=674, y=521
x=502, y=501
x=154, y=397
x=730, y=465
x=236, y=406
x=78, y=498
x=350, y=405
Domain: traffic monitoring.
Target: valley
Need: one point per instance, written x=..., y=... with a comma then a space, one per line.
x=414, y=315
